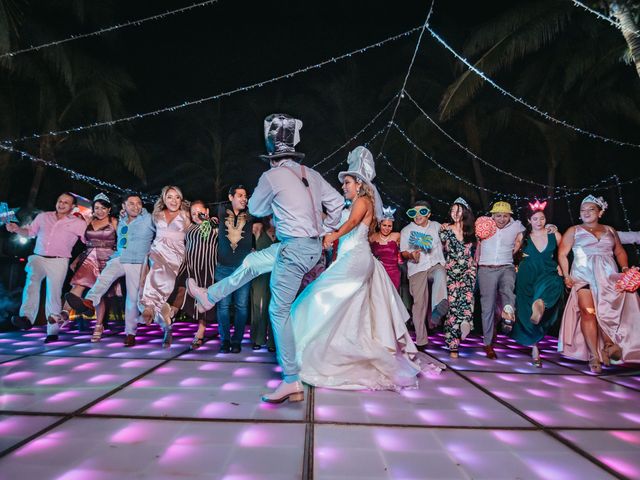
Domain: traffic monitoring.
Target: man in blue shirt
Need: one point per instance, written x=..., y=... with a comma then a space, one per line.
x=135, y=234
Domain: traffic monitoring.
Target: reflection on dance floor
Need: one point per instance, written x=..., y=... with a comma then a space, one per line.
x=80, y=410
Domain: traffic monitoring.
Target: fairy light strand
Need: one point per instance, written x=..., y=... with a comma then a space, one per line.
x=371, y=122
x=413, y=184
x=519, y=100
x=112, y=28
x=406, y=77
x=600, y=185
x=93, y=181
x=601, y=16
x=210, y=98
x=472, y=154
x=366, y=144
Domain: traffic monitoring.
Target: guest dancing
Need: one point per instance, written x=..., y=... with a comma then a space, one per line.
x=385, y=246
x=349, y=324
x=538, y=282
x=171, y=218
x=421, y=247
x=458, y=243
x=600, y=323
x=56, y=233
x=135, y=234
x=497, y=274
x=201, y=246
x=100, y=240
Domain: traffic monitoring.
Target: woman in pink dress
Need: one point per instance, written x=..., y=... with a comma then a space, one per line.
x=100, y=240
x=171, y=217
x=385, y=246
x=600, y=323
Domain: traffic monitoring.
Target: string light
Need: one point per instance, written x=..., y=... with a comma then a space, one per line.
x=406, y=77
x=519, y=100
x=371, y=122
x=112, y=28
x=366, y=144
x=228, y=93
x=470, y=153
x=95, y=182
x=625, y=214
x=407, y=180
x=601, y=185
x=601, y=16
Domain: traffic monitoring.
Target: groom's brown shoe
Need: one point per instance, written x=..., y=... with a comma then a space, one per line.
x=294, y=392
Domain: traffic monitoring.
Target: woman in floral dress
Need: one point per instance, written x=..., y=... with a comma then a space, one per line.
x=458, y=242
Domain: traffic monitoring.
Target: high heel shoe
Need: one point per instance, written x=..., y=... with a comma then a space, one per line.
x=610, y=352
x=535, y=355
x=594, y=365
x=614, y=351
x=168, y=337
x=97, y=333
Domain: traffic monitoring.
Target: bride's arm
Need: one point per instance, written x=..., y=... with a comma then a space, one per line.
x=359, y=210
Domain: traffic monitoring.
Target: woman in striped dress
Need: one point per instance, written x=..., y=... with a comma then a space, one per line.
x=201, y=246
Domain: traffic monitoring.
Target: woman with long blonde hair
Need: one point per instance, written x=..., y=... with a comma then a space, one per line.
x=171, y=218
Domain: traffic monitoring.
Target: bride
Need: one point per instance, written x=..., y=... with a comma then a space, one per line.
x=349, y=324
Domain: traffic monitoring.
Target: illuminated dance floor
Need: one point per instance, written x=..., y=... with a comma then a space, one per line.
x=76, y=410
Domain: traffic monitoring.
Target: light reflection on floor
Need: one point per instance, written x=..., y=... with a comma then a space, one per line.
x=145, y=412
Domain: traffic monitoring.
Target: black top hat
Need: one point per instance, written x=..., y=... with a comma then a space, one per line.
x=281, y=134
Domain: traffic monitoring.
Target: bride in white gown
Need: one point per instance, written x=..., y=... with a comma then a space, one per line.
x=349, y=324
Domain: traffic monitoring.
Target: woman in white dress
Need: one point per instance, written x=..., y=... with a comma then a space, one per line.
x=349, y=324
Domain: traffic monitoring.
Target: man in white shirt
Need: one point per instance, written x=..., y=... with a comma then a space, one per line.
x=295, y=196
x=496, y=273
x=421, y=247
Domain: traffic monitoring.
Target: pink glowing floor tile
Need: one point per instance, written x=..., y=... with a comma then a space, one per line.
x=63, y=384
x=631, y=381
x=210, y=351
x=31, y=342
x=618, y=449
x=344, y=452
x=113, y=347
x=104, y=449
x=6, y=358
x=15, y=428
x=221, y=390
x=444, y=400
x=565, y=400
x=509, y=360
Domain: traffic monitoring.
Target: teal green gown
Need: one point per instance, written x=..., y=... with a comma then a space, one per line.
x=537, y=278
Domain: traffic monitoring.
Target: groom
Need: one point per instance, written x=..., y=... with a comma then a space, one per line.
x=295, y=196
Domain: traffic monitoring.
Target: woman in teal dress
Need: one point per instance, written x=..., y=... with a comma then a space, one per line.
x=539, y=285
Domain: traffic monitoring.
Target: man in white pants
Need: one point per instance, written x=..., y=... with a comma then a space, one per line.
x=135, y=234
x=56, y=233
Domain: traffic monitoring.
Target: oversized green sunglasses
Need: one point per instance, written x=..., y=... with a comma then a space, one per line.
x=414, y=212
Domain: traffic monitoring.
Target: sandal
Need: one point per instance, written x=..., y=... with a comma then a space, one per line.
x=97, y=333
x=536, y=360
x=197, y=343
x=168, y=337
x=594, y=365
x=453, y=353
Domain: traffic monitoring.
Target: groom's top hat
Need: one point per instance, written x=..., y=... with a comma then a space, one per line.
x=361, y=165
x=281, y=135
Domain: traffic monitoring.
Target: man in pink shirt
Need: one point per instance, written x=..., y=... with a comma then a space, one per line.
x=56, y=233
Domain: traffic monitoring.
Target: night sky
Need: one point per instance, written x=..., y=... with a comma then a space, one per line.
x=233, y=43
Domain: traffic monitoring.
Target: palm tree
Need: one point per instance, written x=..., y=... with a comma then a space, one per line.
x=576, y=77
x=63, y=86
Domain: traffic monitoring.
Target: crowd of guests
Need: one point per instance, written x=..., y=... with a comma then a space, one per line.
x=519, y=271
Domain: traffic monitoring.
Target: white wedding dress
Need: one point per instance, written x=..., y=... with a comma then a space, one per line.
x=349, y=325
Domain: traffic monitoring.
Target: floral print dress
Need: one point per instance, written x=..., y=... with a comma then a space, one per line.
x=461, y=281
